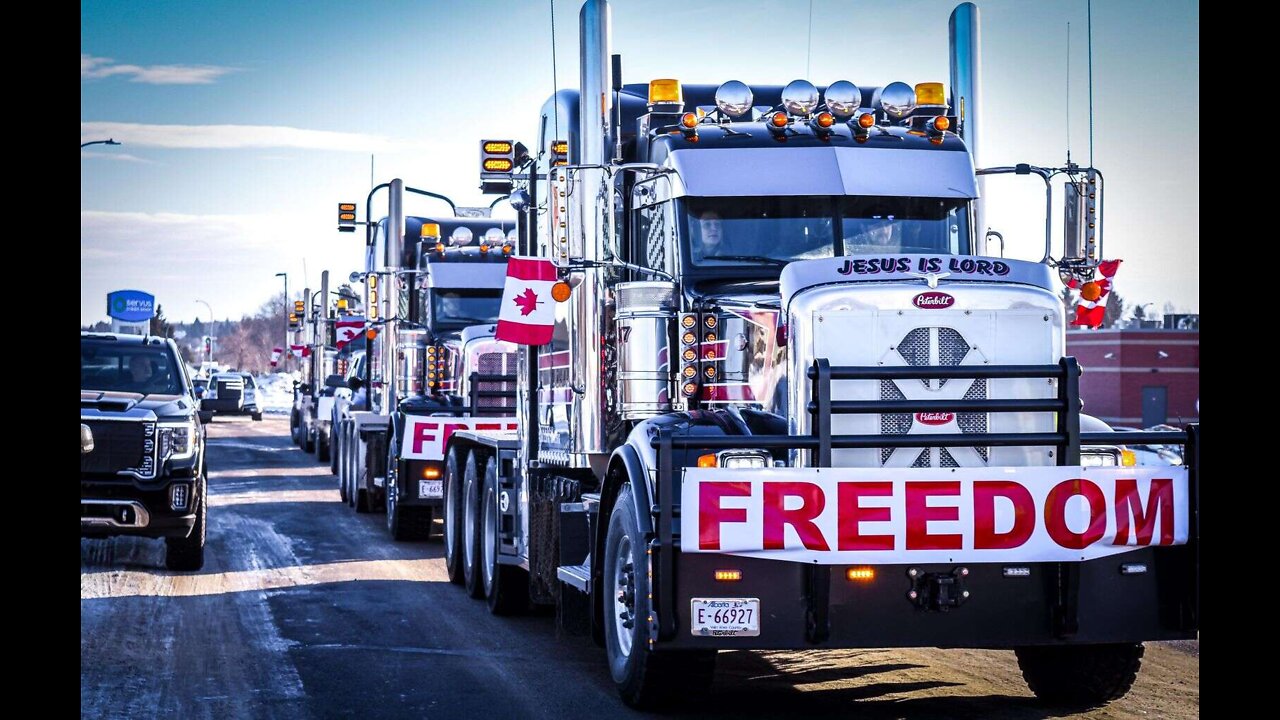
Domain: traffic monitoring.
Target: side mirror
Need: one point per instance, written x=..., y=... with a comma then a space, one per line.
x=335, y=381
x=355, y=384
x=86, y=439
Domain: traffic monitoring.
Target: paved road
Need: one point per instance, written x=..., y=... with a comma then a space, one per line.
x=306, y=610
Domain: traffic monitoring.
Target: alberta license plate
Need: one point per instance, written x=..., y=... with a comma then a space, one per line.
x=430, y=488
x=725, y=617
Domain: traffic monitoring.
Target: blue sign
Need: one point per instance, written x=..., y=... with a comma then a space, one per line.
x=131, y=305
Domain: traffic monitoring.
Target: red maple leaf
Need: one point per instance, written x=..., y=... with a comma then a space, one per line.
x=528, y=301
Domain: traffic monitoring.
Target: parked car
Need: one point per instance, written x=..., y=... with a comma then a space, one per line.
x=230, y=393
x=142, y=468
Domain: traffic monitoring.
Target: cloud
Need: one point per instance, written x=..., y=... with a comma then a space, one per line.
x=94, y=68
x=89, y=154
x=222, y=137
x=228, y=260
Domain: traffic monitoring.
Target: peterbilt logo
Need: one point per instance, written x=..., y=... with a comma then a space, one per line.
x=934, y=418
x=933, y=300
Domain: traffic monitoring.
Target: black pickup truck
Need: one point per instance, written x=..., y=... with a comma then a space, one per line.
x=142, y=466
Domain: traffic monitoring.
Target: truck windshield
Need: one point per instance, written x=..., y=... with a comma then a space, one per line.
x=459, y=308
x=777, y=230
x=111, y=367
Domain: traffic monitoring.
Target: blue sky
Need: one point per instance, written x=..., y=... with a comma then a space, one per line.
x=244, y=123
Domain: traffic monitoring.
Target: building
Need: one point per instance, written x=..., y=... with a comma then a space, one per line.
x=1139, y=378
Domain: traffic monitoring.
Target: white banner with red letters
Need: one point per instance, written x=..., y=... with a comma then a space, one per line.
x=838, y=516
x=527, y=315
x=424, y=438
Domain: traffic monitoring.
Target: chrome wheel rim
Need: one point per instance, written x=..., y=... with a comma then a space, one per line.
x=624, y=596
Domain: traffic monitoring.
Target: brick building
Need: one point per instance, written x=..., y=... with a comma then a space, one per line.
x=1139, y=378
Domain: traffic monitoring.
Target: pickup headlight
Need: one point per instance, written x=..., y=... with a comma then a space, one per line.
x=177, y=440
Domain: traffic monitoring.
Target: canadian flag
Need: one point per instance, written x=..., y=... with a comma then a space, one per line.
x=300, y=351
x=347, y=329
x=275, y=355
x=1093, y=295
x=528, y=315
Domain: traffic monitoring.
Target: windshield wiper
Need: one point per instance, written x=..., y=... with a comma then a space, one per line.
x=749, y=258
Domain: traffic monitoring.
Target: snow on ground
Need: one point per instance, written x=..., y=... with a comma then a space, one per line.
x=275, y=392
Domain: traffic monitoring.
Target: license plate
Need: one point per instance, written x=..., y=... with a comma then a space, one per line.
x=725, y=617
x=430, y=488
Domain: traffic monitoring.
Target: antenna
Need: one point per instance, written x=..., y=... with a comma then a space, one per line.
x=1090, y=6
x=555, y=83
x=1068, y=93
x=808, y=50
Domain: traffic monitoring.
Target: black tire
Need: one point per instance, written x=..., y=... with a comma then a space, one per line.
x=359, y=484
x=472, y=479
x=403, y=523
x=206, y=417
x=453, y=519
x=187, y=554
x=257, y=417
x=335, y=436
x=644, y=678
x=339, y=468
x=294, y=426
x=506, y=587
x=322, y=447
x=308, y=440
x=1080, y=676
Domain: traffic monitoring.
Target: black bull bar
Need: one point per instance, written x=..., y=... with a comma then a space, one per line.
x=1066, y=437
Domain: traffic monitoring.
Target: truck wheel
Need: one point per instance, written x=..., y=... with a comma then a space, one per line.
x=257, y=417
x=644, y=678
x=506, y=587
x=188, y=553
x=404, y=523
x=322, y=447
x=471, y=540
x=453, y=519
x=308, y=439
x=293, y=429
x=335, y=437
x=206, y=417
x=348, y=468
x=1080, y=675
x=340, y=468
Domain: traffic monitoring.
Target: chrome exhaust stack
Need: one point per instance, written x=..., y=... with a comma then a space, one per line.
x=966, y=93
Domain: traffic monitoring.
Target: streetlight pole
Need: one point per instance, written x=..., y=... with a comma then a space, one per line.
x=99, y=142
x=211, y=321
x=284, y=350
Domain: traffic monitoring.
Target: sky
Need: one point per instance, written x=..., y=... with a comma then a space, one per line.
x=244, y=122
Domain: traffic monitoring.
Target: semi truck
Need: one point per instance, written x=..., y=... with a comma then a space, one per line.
x=309, y=418
x=792, y=401
x=433, y=367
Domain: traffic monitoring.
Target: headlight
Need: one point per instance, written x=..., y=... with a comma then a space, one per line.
x=744, y=459
x=1100, y=457
x=177, y=440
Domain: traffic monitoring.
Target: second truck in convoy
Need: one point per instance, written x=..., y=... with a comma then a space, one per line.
x=432, y=290
x=789, y=403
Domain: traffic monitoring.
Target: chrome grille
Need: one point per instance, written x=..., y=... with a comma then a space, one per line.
x=915, y=349
x=892, y=423
x=497, y=363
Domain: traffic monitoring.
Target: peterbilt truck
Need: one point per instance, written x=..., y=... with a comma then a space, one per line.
x=432, y=288
x=790, y=400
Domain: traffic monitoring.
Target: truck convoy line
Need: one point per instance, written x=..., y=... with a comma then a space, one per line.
x=788, y=402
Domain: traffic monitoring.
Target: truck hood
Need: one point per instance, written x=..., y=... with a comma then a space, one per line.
x=124, y=402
